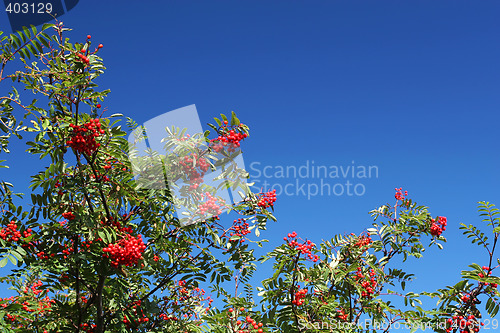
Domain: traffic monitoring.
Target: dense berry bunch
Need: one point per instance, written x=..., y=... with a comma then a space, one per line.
x=11, y=234
x=304, y=247
x=267, y=199
x=367, y=282
x=299, y=297
x=465, y=324
x=399, y=194
x=212, y=205
x=34, y=288
x=194, y=168
x=438, y=227
x=363, y=241
x=228, y=138
x=83, y=137
x=126, y=252
x=240, y=228
x=68, y=215
x=342, y=315
x=246, y=325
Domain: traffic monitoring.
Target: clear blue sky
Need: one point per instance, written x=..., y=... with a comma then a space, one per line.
x=410, y=87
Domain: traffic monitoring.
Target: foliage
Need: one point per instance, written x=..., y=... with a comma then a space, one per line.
x=96, y=252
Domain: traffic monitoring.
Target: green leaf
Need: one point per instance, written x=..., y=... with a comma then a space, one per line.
x=45, y=26
x=234, y=120
x=218, y=122
x=4, y=262
x=12, y=259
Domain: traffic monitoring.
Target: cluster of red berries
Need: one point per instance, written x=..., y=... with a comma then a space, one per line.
x=465, y=324
x=58, y=184
x=486, y=270
x=43, y=305
x=34, y=287
x=87, y=244
x=88, y=328
x=368, y=282
x=342, y=315
x=304, y=248
x=438, y=227
x=399, y=194
x=164, y=316
x=299, y=296
x=240, y=228
x=248, y=325
x=363, y=241
x=128, y=251
x=109, y=163
x=4, y=303
x=82, y=57
x=67, y=251
x=187, y=292
x=194, y=168
x=138, y=313
x=229, y=138
x=83, y=137
x=212, y=205
x=267, y=199
x=100, y=177
x=186, y=301
x=68, y=215
x=42, y=255
x=11, y=234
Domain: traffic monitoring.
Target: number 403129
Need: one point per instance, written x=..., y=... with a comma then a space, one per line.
x=28, y=8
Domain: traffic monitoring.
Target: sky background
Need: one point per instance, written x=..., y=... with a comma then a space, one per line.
x=410, y=87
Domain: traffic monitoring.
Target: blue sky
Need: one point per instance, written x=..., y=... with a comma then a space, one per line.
x=408, y=86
